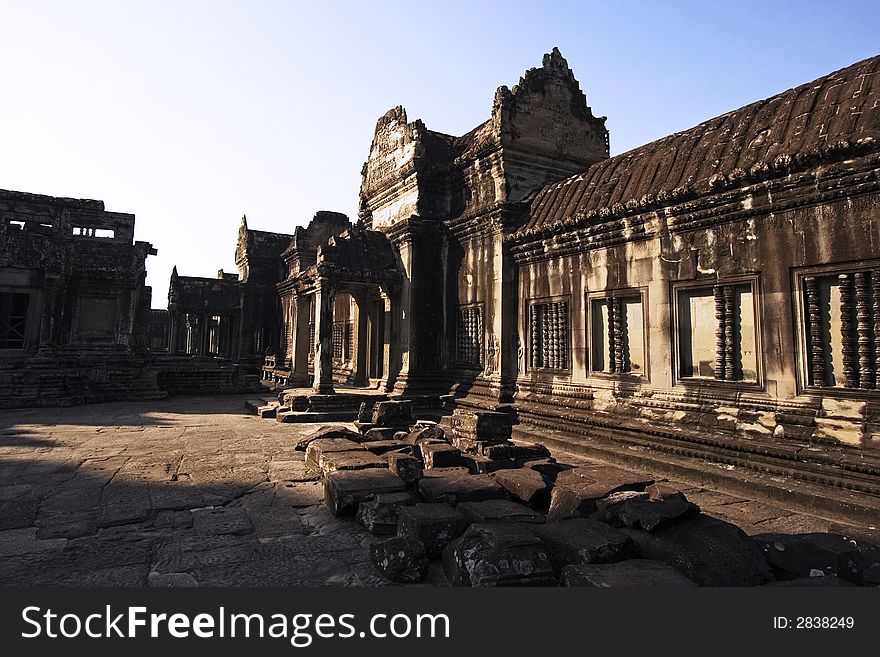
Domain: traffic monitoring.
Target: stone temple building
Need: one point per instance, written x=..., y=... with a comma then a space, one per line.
x=714, y=294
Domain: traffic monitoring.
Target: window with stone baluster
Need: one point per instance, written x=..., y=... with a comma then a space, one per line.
x=716, y=331
x=617, y=333
x=839, y=326
x=469, y=337
x=549, y=329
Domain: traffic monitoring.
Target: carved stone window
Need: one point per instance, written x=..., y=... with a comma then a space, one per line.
x=342, y=340
x=617, y=329
x=842, y=329
x=469, y=338
x=548, y=335
x=717, y=332
x=13, y=319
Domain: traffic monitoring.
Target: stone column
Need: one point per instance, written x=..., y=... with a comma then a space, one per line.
x=387, y=381
x=173, y=332
x=360, y=376
x=299, y=367
x=323, y=381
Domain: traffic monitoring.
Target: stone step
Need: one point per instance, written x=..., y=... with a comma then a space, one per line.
x=253, y=405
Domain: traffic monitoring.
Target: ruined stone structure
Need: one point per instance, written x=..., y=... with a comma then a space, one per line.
x=74, y=310
x=713, y=294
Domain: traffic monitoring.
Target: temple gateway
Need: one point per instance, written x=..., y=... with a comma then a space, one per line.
x=713, y=295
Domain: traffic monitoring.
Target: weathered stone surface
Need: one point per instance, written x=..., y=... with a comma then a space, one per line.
x=317, y=448
x=816, y=581
x=633, y=572
x=379, y=434
x=345, y=490
x=171, y=580
x=380, y=447
x=446, y=472
x=432, y=524
x=485, y=426
x=581, y=540
x=547, y=467
x=400, y=559
x=608, y=508
x=405, y=466
x=452, y=490
x=329, y=432
x=432, y=432
x=708, y=551
x=354, y=460
x=379, y=515
x=803, y=555
x=440, y=455
x=221, y=521
x=526, y=485
x=498, y=554
x=394, y=413
x=653, y=514
x=422, y=442
x=576, y=491
x=479, y=464
x=290, y=471
x=499, y=511
x=511, y=451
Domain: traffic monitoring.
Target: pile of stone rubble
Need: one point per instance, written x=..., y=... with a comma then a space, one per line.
x=498, y=513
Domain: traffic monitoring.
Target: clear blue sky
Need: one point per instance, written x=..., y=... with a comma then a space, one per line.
x=190, y=114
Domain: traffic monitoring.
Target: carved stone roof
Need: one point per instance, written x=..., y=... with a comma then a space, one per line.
x=359, y=254
x=794, y=130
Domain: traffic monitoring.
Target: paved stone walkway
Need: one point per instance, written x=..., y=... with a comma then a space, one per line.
x=196, y=490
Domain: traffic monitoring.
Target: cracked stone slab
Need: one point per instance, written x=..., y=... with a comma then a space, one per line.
x=634, y=572
x=291, y=471
x=14, y=542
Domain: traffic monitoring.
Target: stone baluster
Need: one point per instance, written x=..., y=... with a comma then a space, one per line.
x=536, y=336
x=847, y=348
x=563, y=336
x=814, y=327
x=730, y=373
x=720, y=332
x=875, y=288
x=863, y=328
x=618, y=355
x=612, y=337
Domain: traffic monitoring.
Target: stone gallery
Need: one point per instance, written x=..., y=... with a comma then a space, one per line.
x=709, y=300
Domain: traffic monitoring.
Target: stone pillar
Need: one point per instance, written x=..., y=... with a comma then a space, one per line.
x=299, y=367
x=360, y=376
x=388, y=379
x=323, y=381
x=46, y=320
x=206, y=334
x=173, y=332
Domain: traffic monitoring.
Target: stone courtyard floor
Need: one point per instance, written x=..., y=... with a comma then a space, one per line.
x=196, y=490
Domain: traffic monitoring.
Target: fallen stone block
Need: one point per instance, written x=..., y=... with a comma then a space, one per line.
x=803, y=555
x=405, y=466
x=499, y=511
x=331, y=432
x=633, y=572
x=653, y=514
x=467, y=445
x=497, y=554
x=479, y=464
x=608, y=508
x=432, y=524
x=400, y=559
x=708, y=551
x=377, y=434
x=317, y=448
x=525, y=485
x=455, y=489
x=432, y=432
x=447, y=472
x=395, y=413
x=380, y=447
x=379, y=515
x=345, y=490
x=354, y=460
x=581, y=540
x=576, y=491
x=422, y=442
x=440, y=455
x=511, y=451
x=485, y=426
x=253, y=405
